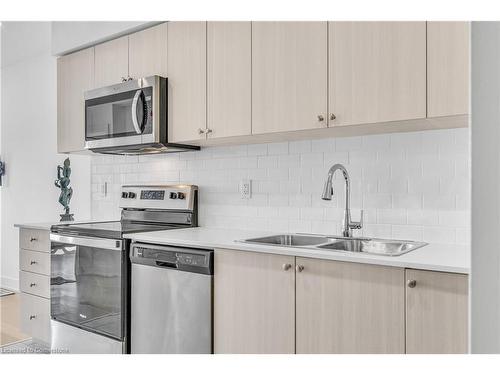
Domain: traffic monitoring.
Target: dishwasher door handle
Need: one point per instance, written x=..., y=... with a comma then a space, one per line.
x=166, y=264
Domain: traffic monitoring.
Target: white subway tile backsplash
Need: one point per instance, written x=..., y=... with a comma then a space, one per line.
x=378, y=230
x=407, y=201
x=299, y=147
x=411, y=185
x=389, y=216
x=439, y=234
x=377, y=200
x=439, y=202
x=421, y=217
x=348, y=144
x=267, y=162
x=410, y=232
x=259, y=149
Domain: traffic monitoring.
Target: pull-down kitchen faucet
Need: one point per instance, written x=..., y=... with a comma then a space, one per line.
x=327, y=195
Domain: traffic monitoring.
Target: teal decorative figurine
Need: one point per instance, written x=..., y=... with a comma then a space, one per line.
x=62, y=182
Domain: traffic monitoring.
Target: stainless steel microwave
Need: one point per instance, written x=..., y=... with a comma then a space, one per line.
x=129, y=118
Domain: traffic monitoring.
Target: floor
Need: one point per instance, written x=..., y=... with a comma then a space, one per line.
x=10, y=328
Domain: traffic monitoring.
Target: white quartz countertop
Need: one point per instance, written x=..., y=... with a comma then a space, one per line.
x=47, y=226
x=434, y=257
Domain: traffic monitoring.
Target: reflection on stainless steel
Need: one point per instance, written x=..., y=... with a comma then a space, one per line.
x=171, y=310
x=129, y=118
x=68, y=339
x=289, y=240
x=90, y=267
x=349, y=244
x=349, y=225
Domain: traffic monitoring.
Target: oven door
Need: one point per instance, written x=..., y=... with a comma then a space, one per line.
x=125, y=114
x=88, y=287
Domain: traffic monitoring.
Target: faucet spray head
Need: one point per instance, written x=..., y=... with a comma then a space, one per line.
x=327, y=190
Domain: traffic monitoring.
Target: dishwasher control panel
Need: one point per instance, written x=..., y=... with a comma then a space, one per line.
x=182, y=259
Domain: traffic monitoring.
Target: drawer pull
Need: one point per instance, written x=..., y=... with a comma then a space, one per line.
x=33, y=239
x=32, y=317
x=412, y=283
x=33, y=262
x=32, y=285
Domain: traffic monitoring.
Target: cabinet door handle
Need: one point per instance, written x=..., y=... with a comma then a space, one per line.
x=201, y=131
x=32, y=285
x=286, y=266
x=33, y=239
x=411, y=283
x=332, y=117
x=321, y=118
x=208, y=131
x=32, y=317
x=299, y=268
x=33, y=262
x=124, y=79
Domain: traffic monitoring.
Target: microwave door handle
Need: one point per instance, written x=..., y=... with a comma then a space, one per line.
x=135, y=102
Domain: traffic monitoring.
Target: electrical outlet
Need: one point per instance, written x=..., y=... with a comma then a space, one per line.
x=246, y=189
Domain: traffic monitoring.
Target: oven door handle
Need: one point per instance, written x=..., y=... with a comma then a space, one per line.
x=100, y=243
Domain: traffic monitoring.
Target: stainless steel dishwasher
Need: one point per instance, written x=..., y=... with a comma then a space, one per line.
x=171, y=300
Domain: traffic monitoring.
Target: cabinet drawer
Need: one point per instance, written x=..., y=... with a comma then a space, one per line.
x=36, y=284
x=35, y=316
x=34, y=261
x=34, y=239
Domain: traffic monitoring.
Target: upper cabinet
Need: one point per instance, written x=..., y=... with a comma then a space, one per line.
x=147, y=52
x=75, y=75
x=187, y=81
x=238, y=82
x=289, y=76
x=111, y=62
x=447, y=68
x=377, y=72
x=229, y=79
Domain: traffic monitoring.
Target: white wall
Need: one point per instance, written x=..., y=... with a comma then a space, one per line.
x=71, y=36
x=411, y=185
x=485, y=94
x=28, y=140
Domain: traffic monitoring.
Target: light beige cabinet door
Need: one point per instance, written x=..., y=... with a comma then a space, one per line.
x=111, y=62
x=229, y=59
x=75, y=75
x=436, y=312
x=377, y=72
x=447, y=68
x=35, y=317
x=254, y=302
x=289, y=76
x=187, y=80
x=147, y=53
x=349, y=307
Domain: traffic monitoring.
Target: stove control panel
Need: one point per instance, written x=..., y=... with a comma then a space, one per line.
x=173, y=197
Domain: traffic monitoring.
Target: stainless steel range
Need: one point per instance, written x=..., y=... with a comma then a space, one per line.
x=90, y=267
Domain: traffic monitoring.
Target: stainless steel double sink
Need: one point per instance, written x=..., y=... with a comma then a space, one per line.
x=351, y=244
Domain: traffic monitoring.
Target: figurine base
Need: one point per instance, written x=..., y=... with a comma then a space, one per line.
x=67, y=217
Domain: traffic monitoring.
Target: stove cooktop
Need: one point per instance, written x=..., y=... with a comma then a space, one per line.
x=110, y=229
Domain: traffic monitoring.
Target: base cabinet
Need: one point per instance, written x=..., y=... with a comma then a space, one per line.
x=34, y=281
x=35, y=317
x=349, y=308
x=254, y=303
x=268, y=303
x=436, y=312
